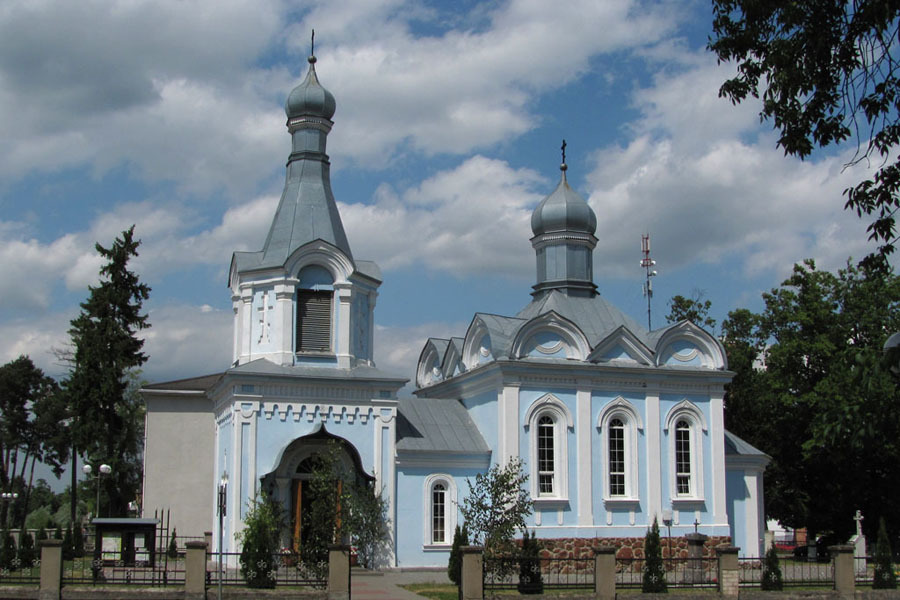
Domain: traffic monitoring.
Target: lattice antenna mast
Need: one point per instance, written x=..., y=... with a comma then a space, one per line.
x=647, y=263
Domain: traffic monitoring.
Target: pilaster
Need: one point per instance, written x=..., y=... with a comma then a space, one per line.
x=344, y=299
x=284, y=322
x=584, y=471
x=654, y=454
x=717, y=441
x=246, y=322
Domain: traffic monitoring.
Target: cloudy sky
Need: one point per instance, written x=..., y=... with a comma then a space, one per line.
x=169, y=116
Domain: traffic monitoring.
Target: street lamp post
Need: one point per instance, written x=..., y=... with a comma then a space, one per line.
x=104, y=469
x=667, y=521
x=223, y=503
x=8, y=499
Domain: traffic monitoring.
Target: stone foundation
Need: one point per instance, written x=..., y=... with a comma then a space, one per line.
x=583, y=548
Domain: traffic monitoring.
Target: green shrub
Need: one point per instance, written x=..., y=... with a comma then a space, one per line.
x=531, y=581
x=654, y=580
x=42, y=534
x=454, y=565
x=68, y=545
x=7, y=551
x=771, y=575
x=78, y=541
x=172, y=550
x=39, y=517
x=27, y=553
x=885, y=579
x=261, y=542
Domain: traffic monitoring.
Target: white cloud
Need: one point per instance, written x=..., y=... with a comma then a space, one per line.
x=397, y=349
x=187, y=341
x=474, y=218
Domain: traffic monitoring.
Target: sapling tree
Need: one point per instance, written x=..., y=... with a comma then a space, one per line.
x=260, y=541
x=771, y=575
x=654, y=580
x=885, y=578
x=454, y=565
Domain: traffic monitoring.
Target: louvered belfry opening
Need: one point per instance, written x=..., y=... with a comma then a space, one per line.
x=313, y=321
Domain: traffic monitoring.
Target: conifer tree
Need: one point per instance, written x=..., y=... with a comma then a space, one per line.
x=172, y=551
x=771, y=575
x=68, y=545
x=454, y=565
x=654, y=580
x=27, y=553
x=42, y=534
x=7, y=550
x=108, y=420
x=884, y=569
x=531, y=581
x=78, y=541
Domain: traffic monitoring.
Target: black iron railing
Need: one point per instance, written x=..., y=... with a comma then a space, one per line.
x=284, y=569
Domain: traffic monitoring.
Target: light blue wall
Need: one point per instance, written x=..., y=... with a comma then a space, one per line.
x=411, y=510
x=666, y=403
x=483, y=410
x=736, y=504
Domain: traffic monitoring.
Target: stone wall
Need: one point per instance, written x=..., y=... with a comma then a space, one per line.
x=583, y=548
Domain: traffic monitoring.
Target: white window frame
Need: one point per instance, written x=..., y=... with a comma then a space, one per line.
x=624, y=411
x=692, y=415
x=550, y=406
x=450, y=510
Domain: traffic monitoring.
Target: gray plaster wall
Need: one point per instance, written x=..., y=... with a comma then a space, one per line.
x=178, y=462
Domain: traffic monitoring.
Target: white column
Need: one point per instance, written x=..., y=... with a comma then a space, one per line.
x=584, y=472
x=717, y=442
x=344, y=297
x=654, y=456
x=751, y=546
x=246, y=323
x=283, y=325
x=509, y=425
x=371, y=355
x=236, y=334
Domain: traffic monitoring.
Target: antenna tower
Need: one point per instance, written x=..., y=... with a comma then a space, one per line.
x=647, y=263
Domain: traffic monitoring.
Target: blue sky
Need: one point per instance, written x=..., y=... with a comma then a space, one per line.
x=169, y=115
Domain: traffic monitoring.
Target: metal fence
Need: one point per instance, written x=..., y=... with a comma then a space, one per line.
x=97, y=571
x=794, y=572
x=680, y=572
x=19, y=573
x=288, y=570
x=511, y=573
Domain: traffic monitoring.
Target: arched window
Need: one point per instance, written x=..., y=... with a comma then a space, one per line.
x=619, y=423
x=315, y=293
x=439, y=513
x=548, y=420
x=440, y=510
x=685, y=425
x=616, y=458
x=683, y=469
x=546, y=456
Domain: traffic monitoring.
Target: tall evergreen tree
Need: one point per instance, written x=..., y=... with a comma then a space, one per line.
x=107, y=419
x=654, y=580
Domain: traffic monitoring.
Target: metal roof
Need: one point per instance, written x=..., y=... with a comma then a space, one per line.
x=736, y=446
x=262, y=366
x=437, y=425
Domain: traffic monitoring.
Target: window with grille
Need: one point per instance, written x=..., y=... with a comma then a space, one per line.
x=545, y=439
x=616, y=457
x=313, y=321
x=438, y=514
x=683, y=458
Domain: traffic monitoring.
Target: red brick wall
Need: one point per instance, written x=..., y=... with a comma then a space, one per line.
x=625, y=547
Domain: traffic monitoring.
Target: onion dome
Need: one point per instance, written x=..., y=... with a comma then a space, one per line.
x=563, y=210
x=310, y=99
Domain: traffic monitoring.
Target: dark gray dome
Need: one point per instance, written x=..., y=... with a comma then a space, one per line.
x=310, y=99
x=563, y=210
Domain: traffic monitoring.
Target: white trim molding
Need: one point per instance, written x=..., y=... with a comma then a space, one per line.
x=450, y=510
x=624, y=411
x=550, y=406
x=689, y=413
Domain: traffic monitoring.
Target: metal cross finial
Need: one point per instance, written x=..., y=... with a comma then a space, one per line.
x=312, y=43
x=563, y=148
x=696, y=525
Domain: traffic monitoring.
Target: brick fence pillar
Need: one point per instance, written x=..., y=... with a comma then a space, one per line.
x=195, y=570
x=844, y=581
x=51, y=569
x=472, y=579
x=605, y=573
x=729, y=575
x=338, y=572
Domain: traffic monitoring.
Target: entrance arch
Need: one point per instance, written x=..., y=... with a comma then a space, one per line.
x=290, y=482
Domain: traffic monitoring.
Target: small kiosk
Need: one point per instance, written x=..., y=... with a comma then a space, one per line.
x=126, y=542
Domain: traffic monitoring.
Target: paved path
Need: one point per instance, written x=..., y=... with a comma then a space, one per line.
x=384, y=586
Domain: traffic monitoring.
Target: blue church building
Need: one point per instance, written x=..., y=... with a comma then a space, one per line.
x=616, y=425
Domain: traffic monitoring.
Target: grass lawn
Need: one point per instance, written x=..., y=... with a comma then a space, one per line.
x=436, y=591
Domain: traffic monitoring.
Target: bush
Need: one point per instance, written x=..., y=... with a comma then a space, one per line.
x=885, y=579
x=771, y=575
x=261, y=542
x=454, y=565
x=172, y=550
x=530, y=579
x=7, y=551
x=78, y=541
x=42, y=534
x=39, y=517
x=68, y=545
x=654, y=580
x=27, y=553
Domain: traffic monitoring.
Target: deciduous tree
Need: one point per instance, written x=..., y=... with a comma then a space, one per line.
x=827, y=73
x=496, y=507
